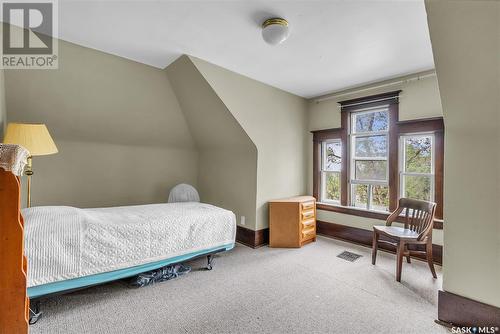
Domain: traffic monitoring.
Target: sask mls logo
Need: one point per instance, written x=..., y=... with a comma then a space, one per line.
x=29, y=37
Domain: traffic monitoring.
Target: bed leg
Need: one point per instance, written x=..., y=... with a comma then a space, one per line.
x=210, y=260
x=35, y=313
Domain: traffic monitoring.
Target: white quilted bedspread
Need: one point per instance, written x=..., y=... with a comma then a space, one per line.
x=64, y=242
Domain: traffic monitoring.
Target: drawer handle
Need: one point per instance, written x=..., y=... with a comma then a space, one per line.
x=308, y=231
x=308, y=214
x=308, y=223
x=308, y=205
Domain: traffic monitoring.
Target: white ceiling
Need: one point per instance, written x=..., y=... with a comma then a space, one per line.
x=333, y=44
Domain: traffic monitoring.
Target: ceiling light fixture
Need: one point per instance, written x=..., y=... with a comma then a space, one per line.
x=275, y=30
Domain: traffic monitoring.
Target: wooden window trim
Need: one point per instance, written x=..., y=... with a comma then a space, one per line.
x=396, y=129
x=438, y=223
x=434, y=125
x=323, y=135
x=347, y=107
x=320, y=136
x=393, y=156
x=370, y=101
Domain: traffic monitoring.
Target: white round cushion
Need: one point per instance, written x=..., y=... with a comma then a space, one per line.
x=183, y=193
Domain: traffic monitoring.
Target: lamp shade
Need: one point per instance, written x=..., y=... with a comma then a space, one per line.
x=275, y=30
x=34, y=137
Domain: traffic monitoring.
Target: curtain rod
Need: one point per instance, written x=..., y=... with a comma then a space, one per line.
x=354, y=91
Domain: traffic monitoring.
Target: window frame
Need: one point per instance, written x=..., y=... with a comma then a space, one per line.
x=323, y=172
x=396, y=129
x=352, y=135
x=402, y=163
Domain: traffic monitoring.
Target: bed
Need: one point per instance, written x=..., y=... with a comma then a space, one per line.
x=56, y=249
x=70, y=248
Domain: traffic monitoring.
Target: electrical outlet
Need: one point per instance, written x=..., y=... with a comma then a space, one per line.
x=242, y=221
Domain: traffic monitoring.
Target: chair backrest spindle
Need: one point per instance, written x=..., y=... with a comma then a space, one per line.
x=419, y=216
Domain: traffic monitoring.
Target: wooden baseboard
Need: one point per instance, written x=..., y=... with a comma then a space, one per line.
x=364, y=237
x=459, y=311
x=252, y=238
x=355, y=235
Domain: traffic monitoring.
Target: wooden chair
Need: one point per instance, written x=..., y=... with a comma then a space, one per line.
x=418, y=222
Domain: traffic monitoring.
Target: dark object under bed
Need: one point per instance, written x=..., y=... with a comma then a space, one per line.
x=165, y=273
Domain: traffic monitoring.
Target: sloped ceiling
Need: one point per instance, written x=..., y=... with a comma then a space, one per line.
x=212, y=125
x=333, y=44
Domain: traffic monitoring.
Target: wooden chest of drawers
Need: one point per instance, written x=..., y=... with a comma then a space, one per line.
x=292, y=221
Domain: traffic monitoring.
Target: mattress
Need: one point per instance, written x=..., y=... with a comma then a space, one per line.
x=63, y=243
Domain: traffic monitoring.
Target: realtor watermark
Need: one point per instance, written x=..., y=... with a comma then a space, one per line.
x=475, y=330
x=29, y=34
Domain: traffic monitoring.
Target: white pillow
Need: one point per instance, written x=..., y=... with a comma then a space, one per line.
x=183, y=193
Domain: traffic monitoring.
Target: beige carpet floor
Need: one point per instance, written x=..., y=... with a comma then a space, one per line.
x=263, y=290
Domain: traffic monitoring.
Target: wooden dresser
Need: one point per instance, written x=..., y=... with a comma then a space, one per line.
x=292, y=221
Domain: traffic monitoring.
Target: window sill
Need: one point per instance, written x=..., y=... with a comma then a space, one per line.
x=438, y=223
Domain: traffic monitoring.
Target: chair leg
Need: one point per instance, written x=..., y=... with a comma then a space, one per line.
x=399, y=264
x=430, y=259
x=408, y=256
x=374, y=247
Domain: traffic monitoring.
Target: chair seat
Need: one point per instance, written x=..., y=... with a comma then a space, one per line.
x=398, y=232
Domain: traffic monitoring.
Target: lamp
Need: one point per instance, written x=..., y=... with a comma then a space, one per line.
x=275, y=30
x=36, y=139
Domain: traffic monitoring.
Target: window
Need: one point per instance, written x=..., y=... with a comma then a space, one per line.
x=373, y=159
x=417, y=166
x=369, y=177
x=330, y=170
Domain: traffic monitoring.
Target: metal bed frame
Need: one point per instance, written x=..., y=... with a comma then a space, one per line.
x=35, y=312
